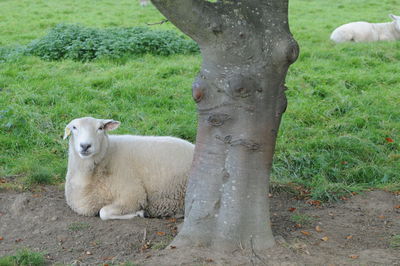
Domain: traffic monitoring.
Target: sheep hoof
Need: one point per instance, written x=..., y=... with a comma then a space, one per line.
x=140, y=214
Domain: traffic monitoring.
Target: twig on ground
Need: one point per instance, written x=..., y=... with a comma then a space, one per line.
x=157, y=23
x=144, y=235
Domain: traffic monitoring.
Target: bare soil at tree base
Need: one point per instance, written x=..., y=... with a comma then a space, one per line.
x=355, y=231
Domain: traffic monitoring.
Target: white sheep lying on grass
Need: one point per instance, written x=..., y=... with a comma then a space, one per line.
x=119, y=176
x=368, y=32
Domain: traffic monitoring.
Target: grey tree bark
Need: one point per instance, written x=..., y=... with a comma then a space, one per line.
x=247, y=47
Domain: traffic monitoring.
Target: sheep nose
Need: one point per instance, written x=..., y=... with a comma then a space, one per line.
x=85, y=146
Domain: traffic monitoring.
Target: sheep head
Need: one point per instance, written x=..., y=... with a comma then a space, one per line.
x=89, y=134
x=396, y=20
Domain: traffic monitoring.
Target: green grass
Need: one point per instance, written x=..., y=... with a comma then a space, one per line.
x=23, y=257
x=302, y=219
x=78, y=226
x=343, y=99
x=395, y=241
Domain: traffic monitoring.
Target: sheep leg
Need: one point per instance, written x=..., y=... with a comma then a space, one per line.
x=114, y=212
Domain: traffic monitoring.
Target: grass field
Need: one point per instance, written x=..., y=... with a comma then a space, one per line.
x=340, y=132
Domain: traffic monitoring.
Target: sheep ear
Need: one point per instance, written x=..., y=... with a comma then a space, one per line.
x=67, y=132
x=394, y=17
x=111, y=124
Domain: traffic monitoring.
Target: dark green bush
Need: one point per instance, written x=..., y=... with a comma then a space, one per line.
x=83, y=44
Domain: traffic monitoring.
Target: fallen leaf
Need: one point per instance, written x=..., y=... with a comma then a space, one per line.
x=397, y=207
x=209, y=260
x=318, y=228
x=1, y=238
x=306, y=233
x=105, y=264
x=171, y=220
x=292, y=209
x=344, y=198
x=325, y=238
x=269, y=195
x=389, y=140
x=314, y=202
x=18, y=240
x=107, y=258
x=354, y=256
x=148, y=256
x=354, y=193
x=381, y=217
x=344, y=162
x=36, y=195
x=349, y=237
x=172, y=247
x=160, y=233
x=298, y=225
x=88, y=253
x=145, y=246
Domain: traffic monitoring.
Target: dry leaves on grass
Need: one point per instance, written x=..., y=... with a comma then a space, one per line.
x=306, y=233
x=389, y=140
x=318, y=229
x=1, y=238
x=292, y=209
x=353, y=256
x=325, y=238
x=160, y=233
x=349, y=237
x=314, y=202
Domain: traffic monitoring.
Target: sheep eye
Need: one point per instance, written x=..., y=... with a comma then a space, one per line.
x=74, y=127
x=101, y=128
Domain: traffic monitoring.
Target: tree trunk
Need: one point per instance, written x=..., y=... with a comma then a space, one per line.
x=246, y=48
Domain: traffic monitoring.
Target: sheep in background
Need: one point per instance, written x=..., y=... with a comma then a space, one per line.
x=119, y=176
x=368, y=32
x=144, y=2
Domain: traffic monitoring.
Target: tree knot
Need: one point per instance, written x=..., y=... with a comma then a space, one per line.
x=217, y=120
x=293, y=52
x=247, y=143
x=197, y=92
x=216, y=28
x=242, y=92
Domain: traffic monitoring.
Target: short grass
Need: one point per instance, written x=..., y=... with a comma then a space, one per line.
x=395, y=241
x=23, y=257
x=78, y=226
x=339, y=134
x=302, y=219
